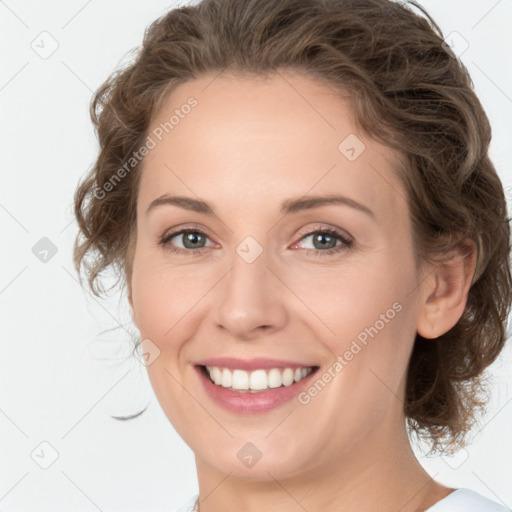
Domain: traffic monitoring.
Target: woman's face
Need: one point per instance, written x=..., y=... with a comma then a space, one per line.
x=254, y=278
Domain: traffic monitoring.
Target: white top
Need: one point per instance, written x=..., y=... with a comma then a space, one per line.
x=460, y=500
x=189, y=505
x=466, y=500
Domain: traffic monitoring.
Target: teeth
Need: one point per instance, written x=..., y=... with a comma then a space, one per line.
x=257, y=380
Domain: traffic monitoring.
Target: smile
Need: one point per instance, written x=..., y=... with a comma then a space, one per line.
x=253, y=391
x=257, y=380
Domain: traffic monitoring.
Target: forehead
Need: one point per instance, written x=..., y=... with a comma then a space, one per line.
x=265, y=138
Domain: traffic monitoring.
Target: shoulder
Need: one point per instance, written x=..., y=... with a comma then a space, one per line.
x=467, y=500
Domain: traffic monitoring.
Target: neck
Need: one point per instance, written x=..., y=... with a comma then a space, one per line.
x=378, y=474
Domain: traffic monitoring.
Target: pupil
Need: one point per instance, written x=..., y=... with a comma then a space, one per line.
x=322, y=238
x=192, y=237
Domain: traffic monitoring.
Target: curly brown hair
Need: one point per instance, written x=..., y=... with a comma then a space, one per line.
x=407, y=90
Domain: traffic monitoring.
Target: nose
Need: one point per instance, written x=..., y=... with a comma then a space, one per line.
x=250, y=301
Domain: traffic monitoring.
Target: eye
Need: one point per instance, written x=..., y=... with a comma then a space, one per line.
x=325, y=240
x=191, y=238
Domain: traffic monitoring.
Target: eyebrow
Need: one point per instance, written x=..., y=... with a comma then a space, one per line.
x=292, y=205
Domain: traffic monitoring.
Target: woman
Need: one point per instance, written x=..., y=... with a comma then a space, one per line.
x=315, y=246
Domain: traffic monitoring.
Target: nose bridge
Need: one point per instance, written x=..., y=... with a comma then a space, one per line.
x=249, y=299
x=249, y=270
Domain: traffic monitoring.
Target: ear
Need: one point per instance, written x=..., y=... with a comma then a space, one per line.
x=445, y=291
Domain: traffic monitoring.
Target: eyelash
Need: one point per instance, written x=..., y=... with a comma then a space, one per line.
x=317, y=252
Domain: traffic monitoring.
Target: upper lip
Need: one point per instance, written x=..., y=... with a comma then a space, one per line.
x=251, y=364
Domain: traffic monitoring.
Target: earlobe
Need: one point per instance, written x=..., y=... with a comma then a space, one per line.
x=445, y=291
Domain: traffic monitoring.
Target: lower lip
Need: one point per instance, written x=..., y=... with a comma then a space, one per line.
x=251, y=402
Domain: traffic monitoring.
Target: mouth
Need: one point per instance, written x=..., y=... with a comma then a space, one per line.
x=256, y=381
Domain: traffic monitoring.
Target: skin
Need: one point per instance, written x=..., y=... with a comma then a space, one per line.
x=249, y=144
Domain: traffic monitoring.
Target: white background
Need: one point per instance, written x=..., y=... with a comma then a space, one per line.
x=62, y=367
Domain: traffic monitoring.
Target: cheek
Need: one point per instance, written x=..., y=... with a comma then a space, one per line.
x=150, y=301
x=364, y=315
x=166, y=298
x=350, y=299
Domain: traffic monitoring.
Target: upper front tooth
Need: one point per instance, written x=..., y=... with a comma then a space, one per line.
x=226, y=379
x=216, y=375
x=240, y=379
x=288, y=376
x=274, y=379
x=257, y=379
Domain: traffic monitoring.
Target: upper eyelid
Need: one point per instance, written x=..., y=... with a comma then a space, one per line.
x=318, y=227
